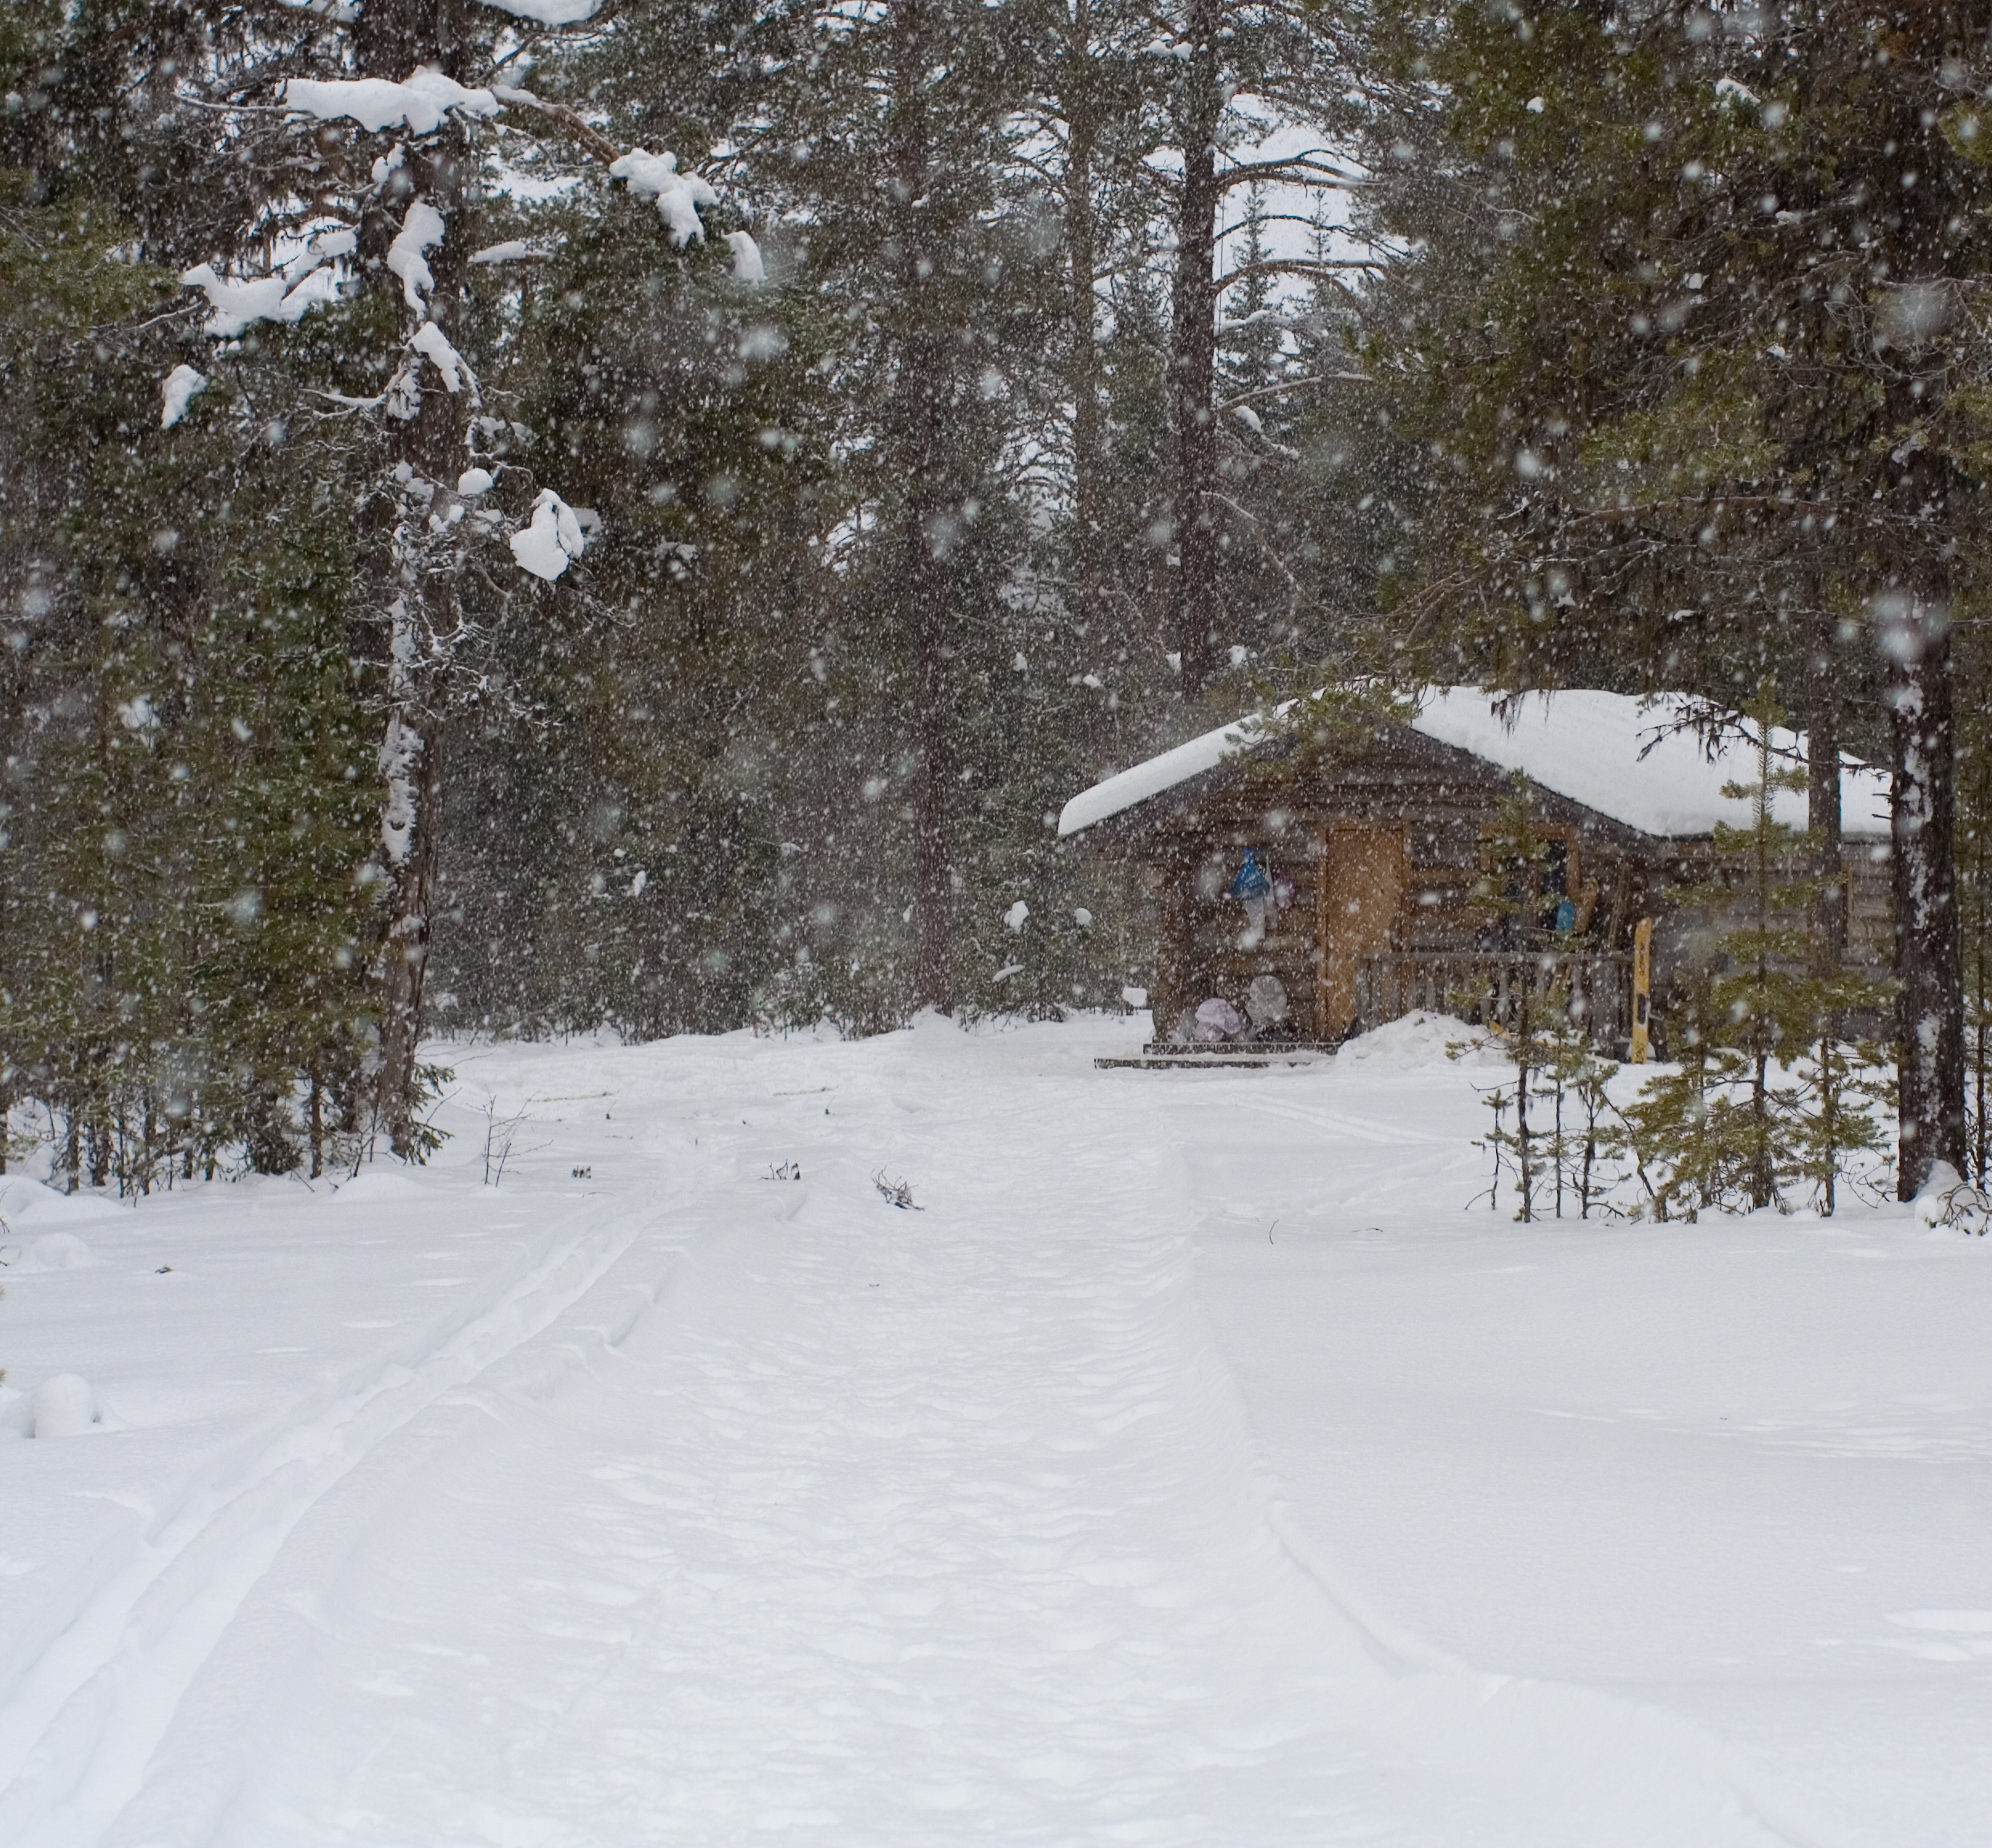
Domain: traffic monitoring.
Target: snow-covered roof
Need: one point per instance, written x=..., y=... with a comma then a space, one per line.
x=1611, y=752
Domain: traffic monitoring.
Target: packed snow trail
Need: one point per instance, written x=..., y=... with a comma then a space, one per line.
x=815, y=1519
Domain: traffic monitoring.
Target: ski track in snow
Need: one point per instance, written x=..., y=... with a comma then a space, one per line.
x=757, y=1509
x=80, y=1725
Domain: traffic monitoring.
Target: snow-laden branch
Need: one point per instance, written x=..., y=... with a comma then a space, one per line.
x=182, y=385
x=1288, y=385
x=678, y=196
x=286, y=295
x=549, y=12
x=551, y=541
x=419, y=104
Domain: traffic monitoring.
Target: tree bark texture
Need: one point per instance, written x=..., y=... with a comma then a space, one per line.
x=918, y=425
x=1930, y=982
x=1822, y=780
x=428, y=426
x=1193, y=352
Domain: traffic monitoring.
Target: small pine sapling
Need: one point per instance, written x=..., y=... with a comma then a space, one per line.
x=1766, y=1092
x=1539, y=1022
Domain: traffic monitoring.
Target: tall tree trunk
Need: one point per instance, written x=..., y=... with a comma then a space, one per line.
x=1193, y=351
x=1929, y=979
x=1089, y=419
x=918, y=431
x=1822, y=787
x=431, y=450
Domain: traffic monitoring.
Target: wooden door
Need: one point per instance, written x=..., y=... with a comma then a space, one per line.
x=1362, y=882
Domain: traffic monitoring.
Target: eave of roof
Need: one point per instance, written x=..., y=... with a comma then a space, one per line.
x=1621, y=757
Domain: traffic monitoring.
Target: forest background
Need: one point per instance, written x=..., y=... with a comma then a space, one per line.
x=466, y=569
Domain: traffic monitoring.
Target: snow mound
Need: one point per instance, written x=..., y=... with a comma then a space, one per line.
x=548, y=12
x=1418, y=1043
x=17, y=1416
x=1946, y=1203
x=54, y=1251
x=64, y=1407
x=23, y=1202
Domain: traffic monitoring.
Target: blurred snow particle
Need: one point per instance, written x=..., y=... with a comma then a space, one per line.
x=1535, y=105
x=1016, y=914
x=137, y=714
x=183, y=384
x=1081, y=916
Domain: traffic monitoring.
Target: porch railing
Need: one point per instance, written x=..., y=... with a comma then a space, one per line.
x=1491, y=988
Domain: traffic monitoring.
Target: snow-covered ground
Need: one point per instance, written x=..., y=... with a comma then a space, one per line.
x=1190, y=1465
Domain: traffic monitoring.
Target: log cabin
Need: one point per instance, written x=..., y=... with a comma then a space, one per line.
x=1368, y=868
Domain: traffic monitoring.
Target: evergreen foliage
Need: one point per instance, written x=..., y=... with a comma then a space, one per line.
x=1768, y=1090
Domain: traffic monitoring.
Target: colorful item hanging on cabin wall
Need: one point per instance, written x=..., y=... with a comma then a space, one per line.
x=1252, y=887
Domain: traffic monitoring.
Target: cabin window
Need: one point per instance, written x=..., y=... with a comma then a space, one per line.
x=1555, y=878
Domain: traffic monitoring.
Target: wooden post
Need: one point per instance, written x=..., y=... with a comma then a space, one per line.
x=1642, y=988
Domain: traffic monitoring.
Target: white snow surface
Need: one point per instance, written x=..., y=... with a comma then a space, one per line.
x=1159, y=774
x=418, y=105
x=182, y=385
x=1610, y=752
x=1614, y=754
x=1198, y=1465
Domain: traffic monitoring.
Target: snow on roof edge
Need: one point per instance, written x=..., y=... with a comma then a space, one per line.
x=1609, y=751
x=1159, y=775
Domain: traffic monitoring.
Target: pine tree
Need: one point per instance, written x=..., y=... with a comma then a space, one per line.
x=1710, y=387
x=1767, y=1091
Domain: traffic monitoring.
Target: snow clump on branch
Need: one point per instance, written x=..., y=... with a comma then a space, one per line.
x=183, y=385
x=678, y=196
x=549, y=12
x=554, y=537
x=419, y=104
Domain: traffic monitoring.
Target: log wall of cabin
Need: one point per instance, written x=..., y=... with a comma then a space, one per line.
x=1439, y=811
x=1443, y=806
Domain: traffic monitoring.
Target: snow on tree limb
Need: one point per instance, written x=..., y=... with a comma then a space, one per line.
x=419, y=104
x=549, y=12
x=748, y=266
x=181, y=386
x=421, y=231
x=678, y=196
x=433, y=345
x=552, y=540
